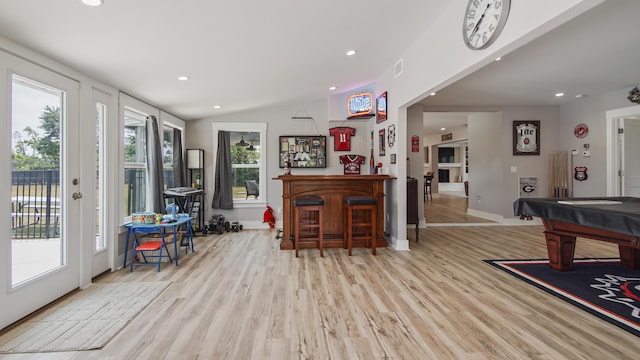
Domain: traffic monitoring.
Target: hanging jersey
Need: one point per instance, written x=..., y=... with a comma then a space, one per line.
x=352, y=163
x=342, y=138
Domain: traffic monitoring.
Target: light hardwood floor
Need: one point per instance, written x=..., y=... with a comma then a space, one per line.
x=240, y=297
x=448, y=208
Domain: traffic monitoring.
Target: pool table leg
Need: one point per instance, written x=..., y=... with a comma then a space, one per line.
x=629, y=257
x=560, y=249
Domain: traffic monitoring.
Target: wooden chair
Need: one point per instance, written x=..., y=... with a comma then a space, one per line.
x=309, y=205
x=352, y=205
x=251, y=187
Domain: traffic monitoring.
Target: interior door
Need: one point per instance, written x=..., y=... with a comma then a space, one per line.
x=38, y=179
x=630, y=174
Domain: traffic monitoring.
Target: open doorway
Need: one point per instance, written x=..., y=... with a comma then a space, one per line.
x=623, y=130
x=628, y=148
x=446, y=149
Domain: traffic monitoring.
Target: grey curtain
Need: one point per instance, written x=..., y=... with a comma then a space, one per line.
x=154, y=166
x=223, y=192
x=179, y=167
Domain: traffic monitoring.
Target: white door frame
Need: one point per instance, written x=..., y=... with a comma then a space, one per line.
x=613, y=185
x=102, y=260
x=33, y=294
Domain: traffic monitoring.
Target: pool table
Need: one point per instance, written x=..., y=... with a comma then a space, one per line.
x=611, y=219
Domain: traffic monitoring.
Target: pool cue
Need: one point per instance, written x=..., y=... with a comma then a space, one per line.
x=551, y=175
x=565, y=179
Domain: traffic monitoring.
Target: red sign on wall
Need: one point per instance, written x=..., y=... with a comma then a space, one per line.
x=415, y=143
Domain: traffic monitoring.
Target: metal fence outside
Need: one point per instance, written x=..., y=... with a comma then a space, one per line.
x=35, y=204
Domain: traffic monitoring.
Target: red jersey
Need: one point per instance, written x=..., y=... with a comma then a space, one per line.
x=342, y=138
x=352, y=163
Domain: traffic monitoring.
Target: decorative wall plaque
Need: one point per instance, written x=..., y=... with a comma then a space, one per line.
x=526, y=137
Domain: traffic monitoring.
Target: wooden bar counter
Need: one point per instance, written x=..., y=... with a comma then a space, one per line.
x=332, y=189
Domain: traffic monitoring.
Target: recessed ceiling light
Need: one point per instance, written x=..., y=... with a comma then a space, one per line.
x=183, y=78
x=351, y=52
x=443, y=129
x=433, y=94
x=217, y=106
x=332, y=88
x=92, y=2
x=580, y=96
x=499, y=58
x=559, y=94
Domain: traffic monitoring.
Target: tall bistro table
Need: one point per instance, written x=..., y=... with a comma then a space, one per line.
x=332, y=189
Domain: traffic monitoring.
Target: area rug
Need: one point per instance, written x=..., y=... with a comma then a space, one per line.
x=85, y=320
x=600, y=286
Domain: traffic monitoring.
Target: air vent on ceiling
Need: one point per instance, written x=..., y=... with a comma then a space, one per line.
x=397, y=70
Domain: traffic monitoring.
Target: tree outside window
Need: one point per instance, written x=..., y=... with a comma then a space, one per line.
x=135, y=162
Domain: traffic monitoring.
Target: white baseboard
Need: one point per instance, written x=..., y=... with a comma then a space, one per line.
x=485, y=215
x=399, y=245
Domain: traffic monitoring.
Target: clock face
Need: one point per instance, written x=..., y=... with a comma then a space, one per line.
x=483, y=22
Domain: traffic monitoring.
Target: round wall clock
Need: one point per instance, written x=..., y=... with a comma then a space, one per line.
x=483, y=22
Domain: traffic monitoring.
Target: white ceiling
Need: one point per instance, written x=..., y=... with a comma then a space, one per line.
x=597, y=53
x=252, y=53
x=239, y=54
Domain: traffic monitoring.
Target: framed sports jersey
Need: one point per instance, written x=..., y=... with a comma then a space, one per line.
x=303, y=151
x=352, y=164
x=342, y=138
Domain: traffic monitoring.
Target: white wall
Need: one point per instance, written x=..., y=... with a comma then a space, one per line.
x=493, y=187
x=592, y=112
x=438, y=58
x=279, y=122
x=435, y=61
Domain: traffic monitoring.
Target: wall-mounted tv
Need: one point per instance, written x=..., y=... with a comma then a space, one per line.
x=381, y=107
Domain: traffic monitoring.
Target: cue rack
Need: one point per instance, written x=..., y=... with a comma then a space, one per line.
x=559, y=174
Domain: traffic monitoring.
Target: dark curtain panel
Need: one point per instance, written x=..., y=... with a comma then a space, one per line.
x=179, y=168
x=154, y=165
x=223, y=192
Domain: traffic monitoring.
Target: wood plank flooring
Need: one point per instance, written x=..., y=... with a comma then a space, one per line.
x=241, y=297
x=450, y=209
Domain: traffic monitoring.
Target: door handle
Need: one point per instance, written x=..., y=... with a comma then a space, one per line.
x=77, y=195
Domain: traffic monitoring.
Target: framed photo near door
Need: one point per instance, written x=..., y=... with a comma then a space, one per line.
x=526, y=137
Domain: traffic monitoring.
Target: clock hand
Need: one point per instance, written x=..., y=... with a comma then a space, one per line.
x=475, y=29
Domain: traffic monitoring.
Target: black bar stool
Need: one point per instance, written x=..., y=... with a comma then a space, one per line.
x=308, y=204
x=353, y=204
x=428, y=179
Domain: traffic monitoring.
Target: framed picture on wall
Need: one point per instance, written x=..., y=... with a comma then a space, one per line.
x=526, y=137
x=528, y=187
x=303, y=151
x=391, y=135
x=381, y=141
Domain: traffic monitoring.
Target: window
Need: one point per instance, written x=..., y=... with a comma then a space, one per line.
x=101, y=117
x=135, y=162
x=245, y=159
x=248, y=150
x=167, y=156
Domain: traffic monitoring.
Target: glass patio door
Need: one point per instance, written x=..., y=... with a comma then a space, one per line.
x=40, y=167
